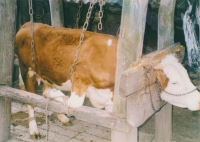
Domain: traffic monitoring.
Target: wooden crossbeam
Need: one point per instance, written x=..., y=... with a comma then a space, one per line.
x=84, y=113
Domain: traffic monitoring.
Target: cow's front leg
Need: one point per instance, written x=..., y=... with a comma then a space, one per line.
x=29, y=80
x=60, y=97
x=33, y=130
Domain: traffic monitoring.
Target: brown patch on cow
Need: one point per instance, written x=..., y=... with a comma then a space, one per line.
x=162, y=79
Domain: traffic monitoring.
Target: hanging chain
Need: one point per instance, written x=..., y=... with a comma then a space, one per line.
x=31, y=33
x=85, y=26
x=80, y=4
x=100, y=14
x=147, y=71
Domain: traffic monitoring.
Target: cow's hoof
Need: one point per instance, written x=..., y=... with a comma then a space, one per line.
x=35, y=137
x=69, y=123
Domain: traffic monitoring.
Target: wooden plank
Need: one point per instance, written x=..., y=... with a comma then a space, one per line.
x=130, y=45
x=163, y=124
x=7, y=28
x=57, y=14
x=133, y=79
x=132, y=136
x=163, y=120
x=88, y=114
x=166, y=23
x=139, y=106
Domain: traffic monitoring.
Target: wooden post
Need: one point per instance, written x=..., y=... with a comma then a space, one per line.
x=130, y=46
x=163, y=124
x=163, y=120
x=7, y=28
x=57, y=15
x=166, y=23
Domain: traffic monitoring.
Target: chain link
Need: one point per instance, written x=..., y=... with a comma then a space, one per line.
x=100, y=14
x=85, y=26
x=32, y=33
x=80, y=4
x=147, y=71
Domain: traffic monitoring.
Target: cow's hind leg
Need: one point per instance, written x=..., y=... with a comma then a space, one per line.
x=30, y=86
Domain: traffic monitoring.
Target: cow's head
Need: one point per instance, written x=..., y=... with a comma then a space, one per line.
x=177, y=88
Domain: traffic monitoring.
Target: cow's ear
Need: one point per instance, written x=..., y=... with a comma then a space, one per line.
x=159, y=66
x=162, y=78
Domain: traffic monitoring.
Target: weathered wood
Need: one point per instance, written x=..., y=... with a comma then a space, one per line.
x=133, y=79
x=139, y=106
x=57, y=15
x=166, y=23
x=133, y=84
x=130, y=45
x=7, y=28
x=163, y=124
x=89, y=114
x=132, y=136
x=163, y=120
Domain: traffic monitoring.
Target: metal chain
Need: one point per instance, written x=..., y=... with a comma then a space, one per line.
x=147, y=70
x=100, y=14
x=32, y=33
x=85, y=26
x=80, y=4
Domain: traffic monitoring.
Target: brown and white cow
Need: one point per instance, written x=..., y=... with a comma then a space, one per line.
x=55, y=50
x=94, y=74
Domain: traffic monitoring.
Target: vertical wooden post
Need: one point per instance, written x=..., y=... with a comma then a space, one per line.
x=57, y=15
x=166, y=23
x=163, y=124
x=130, y=46
x=7, y=28
x=163, y=119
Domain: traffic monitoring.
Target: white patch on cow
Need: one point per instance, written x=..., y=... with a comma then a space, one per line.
x=21, y=82
x=31, y=73
x=66, y=86
x=63, y=118
x=100, y=98
x=54, y=94
x=75, y=101
x=33, y=130
x=109, y=42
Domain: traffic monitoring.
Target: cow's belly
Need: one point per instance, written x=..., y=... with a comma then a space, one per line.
x=99, y=98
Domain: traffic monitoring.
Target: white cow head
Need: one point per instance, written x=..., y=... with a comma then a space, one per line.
x=177, y=88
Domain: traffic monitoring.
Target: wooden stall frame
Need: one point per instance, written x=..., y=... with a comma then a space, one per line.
x=129, y=50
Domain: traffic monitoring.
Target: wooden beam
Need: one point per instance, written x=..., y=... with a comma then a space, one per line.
x=57, y=14
x=140, y=103
x=88, y=114
x=133, y=79
x=166, y=23
x=7, y=28
x=130, y=45
x=163, y=121
x=163, y=124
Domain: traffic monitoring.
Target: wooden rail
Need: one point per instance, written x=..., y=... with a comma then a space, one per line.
x=84, y=113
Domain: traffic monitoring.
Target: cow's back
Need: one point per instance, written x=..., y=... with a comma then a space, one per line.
x=55, y=49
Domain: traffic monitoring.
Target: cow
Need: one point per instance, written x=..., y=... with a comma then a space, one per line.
x=94, y=73
x=177, y=89
x=55, y=49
